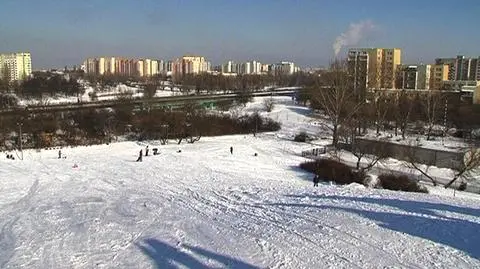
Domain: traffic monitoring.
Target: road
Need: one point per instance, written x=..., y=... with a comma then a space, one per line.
x=168, y=100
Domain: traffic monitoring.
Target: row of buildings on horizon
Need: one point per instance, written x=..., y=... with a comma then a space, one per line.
x=188, y=64
x=382, y=68
x=371, y=68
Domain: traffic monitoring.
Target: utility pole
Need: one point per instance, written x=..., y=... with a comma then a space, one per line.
x=20, y=139
x=445, y=121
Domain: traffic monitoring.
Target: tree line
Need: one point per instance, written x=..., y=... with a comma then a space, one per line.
x=94, y=126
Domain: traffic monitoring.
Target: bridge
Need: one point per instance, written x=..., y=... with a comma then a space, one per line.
x=156, y=102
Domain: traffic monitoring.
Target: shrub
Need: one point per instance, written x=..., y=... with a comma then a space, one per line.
x=335, y=171
x=268, y=104
x=400, y=183
x=301, y=137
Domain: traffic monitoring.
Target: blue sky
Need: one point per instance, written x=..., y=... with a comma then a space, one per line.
x=64, y=32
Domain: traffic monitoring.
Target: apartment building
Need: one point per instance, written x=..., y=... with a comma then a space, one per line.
x=382, y=66
x=438, y=75
x=190, y=64
x=121, y=66
x=15, y=66
x=450, y=63
x=231, y=67
x=413, y=77
x=256, y=67
x=357, y=65
x=461, y=68
x=284, y=68
x=194, y=64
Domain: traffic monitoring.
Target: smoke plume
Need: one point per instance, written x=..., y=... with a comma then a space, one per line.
x=355, y=32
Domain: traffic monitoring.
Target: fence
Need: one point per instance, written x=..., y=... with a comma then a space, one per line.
x=314, y=152
x=439, y=158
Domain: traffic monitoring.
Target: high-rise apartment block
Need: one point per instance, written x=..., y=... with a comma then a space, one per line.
x=246, y=68
x=284, y=68
x=190, y=64
x=122, y=66
x=15, y=66
x=357, y=65
x=413, y=77
x=374, y=68
x=439, y=73
x=461, y=67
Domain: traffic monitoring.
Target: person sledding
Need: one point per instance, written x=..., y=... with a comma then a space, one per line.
x=140, y=156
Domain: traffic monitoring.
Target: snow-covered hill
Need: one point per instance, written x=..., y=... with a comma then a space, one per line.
x=206, y=208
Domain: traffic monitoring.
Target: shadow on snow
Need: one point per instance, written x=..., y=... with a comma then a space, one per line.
x=429, y=223
x=165, y=256
x=305, y=111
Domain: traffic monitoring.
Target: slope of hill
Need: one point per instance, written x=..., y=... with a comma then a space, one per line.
x=206, y=208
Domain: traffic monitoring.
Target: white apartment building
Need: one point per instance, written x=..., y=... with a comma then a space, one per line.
x=154, y=67
x=123, y=66
x=140, y=68
x=15, y=66
x=195, y=64
x=256, y=67
x=228, y=67
x=286, y=68
x=246, y=68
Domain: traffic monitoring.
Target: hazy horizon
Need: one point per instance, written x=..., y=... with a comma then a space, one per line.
x=60, y=33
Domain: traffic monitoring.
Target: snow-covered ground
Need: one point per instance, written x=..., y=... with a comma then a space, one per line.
x=206, y=208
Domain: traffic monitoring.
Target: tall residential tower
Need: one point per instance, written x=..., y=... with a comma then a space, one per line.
x=374, y=68
x=15, y=66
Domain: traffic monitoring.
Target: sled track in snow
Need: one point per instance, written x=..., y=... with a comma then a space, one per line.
x=18, y=208
x=339, y=235
x=248, y=219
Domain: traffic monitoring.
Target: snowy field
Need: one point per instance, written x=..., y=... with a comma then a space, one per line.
x=206, y=208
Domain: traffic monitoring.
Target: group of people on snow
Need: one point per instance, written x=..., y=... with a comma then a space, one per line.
x=155, y=152
x=140, y=153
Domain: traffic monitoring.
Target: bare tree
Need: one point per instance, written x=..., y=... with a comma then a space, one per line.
x=432, y=104
x=413, y=160
x=243, y=96
x=471, y=163
x=403, y=107
x=335, y=96
x=150, y=89
x=189, y=133
x=373, y=152
x=268, y=104
x=379, y=110
x=164, y=134
x=370, y=151
x=188, y=129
